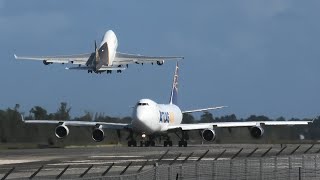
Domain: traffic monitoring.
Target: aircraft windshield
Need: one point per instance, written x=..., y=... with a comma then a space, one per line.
x=143, y=104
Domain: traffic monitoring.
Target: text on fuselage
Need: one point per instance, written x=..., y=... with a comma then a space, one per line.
x=166, y=117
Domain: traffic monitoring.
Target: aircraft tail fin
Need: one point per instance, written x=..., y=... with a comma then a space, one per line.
x=102, y=56
x=174, y=91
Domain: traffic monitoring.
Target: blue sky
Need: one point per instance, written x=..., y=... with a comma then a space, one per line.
x=257, y=57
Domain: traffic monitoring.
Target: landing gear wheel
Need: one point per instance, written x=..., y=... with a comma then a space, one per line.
x=183, y=139
x=167, y=143
x=132, y=143
x=183, y=143
x=147, y=143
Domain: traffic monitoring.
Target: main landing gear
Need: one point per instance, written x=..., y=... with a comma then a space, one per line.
x=132, y=141
x=183, y=139
x=183, y=143
x=167, y=142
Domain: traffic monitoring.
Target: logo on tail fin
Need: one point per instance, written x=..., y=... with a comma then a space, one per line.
x=174, y=91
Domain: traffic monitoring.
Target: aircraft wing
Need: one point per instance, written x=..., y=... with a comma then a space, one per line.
x=205, y=109
x=105, y=125
x=200, y=126
x=124, y=58
x=75, y=59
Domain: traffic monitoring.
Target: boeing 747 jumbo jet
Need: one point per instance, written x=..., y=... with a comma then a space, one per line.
x=150, y=119
x=104, y=58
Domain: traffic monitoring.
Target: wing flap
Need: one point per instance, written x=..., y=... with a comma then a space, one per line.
x=124, y=58
x=187, y=127
x=105, y=125
x=78, y=58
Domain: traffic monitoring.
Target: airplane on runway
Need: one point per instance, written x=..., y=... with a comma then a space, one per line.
x=105, y=58
x=150, y=119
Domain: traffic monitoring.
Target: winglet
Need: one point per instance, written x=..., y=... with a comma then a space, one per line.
x=22, y=118
x=315, y=119
x=15, y=56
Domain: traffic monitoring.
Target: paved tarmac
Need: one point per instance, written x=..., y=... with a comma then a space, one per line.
x=54, y=160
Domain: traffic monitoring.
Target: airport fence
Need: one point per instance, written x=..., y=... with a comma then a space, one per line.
x=284, y=167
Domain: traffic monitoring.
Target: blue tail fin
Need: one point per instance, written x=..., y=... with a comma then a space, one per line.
x=174, y=91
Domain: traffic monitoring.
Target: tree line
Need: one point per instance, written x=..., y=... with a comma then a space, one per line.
x=14, y=131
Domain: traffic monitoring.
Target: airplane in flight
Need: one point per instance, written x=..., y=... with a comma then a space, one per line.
x=150, y=119
x=105, y=58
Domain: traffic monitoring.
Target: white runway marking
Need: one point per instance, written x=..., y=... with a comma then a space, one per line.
x=84, y=162
x=100, y=162
x=10, y=161
x=116, y=156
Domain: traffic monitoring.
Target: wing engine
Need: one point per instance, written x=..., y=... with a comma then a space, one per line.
x=208, y=135
x=46, y=62
x=61, y=131
x=98, y=135
x=256, y=131
x=160, y=62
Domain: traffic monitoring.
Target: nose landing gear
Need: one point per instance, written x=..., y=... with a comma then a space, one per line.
x=147, y=142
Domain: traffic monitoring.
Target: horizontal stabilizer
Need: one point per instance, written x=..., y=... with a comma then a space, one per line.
x=101, y=69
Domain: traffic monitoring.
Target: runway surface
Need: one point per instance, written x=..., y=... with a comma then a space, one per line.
x=54, y=161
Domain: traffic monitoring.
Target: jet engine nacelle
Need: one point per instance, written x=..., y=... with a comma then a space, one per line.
x=61, y=131
x=46, y=62
x=98, y=135
x=208, y=135
x=160, y=62
x=256, y=131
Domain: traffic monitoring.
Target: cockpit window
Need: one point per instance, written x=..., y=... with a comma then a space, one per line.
x=142, y=104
